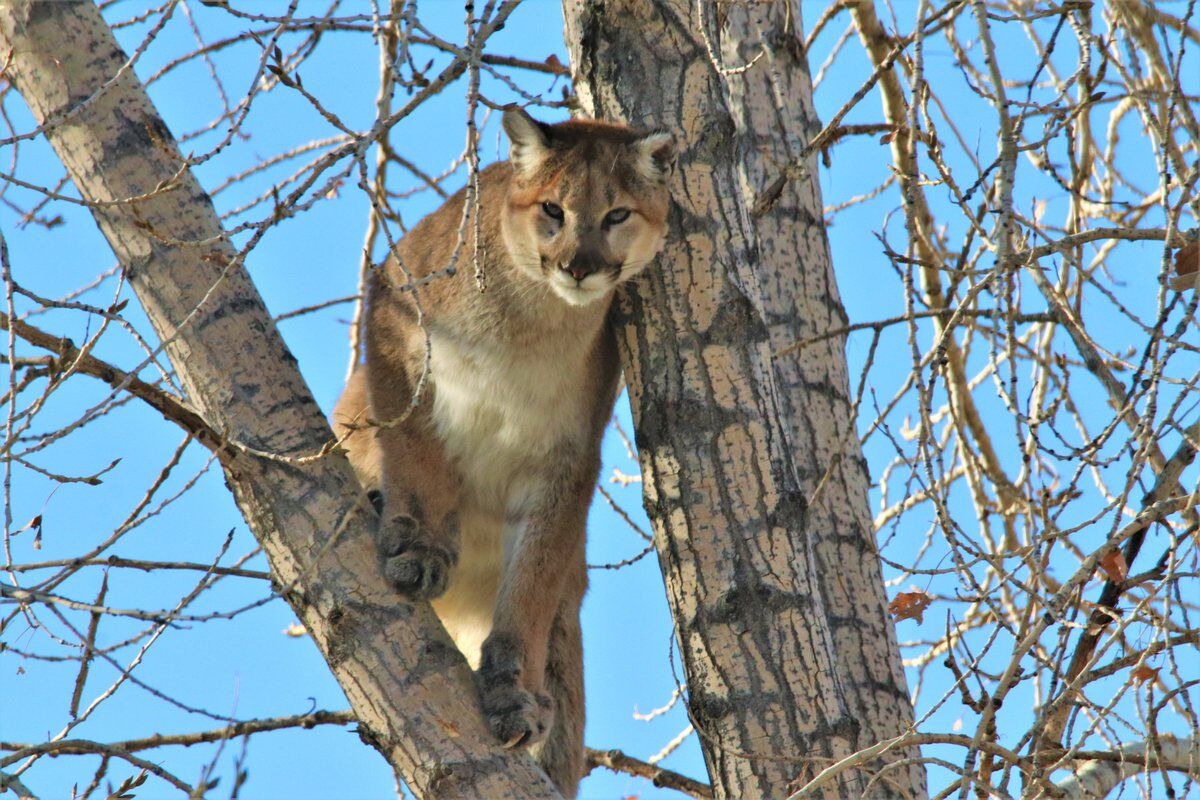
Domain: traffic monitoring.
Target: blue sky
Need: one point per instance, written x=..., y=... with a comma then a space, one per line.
x=246, y=667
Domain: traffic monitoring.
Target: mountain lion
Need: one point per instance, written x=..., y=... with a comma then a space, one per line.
x=484, y=482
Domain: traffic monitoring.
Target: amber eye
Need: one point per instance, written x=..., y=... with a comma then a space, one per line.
x=616, y=217
x=553, y=211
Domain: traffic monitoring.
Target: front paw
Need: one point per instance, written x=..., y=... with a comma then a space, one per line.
x=416, y=567
x=516, y=716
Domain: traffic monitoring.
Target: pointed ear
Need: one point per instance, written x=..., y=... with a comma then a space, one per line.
x=528, y=143
x=656, y=155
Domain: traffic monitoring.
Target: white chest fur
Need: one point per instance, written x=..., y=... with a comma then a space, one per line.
x=502, y=417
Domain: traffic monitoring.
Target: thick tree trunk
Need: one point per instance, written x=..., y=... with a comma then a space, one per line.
x=406, y=682
x=754, y=479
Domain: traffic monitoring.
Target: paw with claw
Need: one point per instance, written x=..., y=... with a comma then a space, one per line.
x=515, y=715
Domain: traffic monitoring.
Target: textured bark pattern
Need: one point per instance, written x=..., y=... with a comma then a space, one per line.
x=775, y=586
x=406, y=682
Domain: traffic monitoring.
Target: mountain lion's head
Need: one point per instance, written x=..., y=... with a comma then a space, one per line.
x=587, y=206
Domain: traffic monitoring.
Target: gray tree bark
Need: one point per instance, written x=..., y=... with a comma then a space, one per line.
x=408, y=685
x=753, y=476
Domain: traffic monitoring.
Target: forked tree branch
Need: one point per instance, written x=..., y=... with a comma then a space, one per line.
x=407, y=684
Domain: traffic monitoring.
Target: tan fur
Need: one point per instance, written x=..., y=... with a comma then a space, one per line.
x=486, y=482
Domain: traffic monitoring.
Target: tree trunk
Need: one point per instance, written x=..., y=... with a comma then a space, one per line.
x=408, y=685
x=753, y=476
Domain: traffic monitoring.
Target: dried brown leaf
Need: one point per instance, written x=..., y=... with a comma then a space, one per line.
x=1187, y=264
x=1143, y=673
x=35, y=525
x=909, y=605
x=1114, y=566
x=1187, y=259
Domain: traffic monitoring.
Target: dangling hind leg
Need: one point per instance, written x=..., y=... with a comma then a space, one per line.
x=561, y=755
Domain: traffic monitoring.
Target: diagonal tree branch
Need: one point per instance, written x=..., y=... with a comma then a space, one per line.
x=68, y=355
x=405, y=681
x=618, y=761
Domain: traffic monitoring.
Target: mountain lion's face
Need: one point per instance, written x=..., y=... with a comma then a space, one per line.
x=588, y=204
